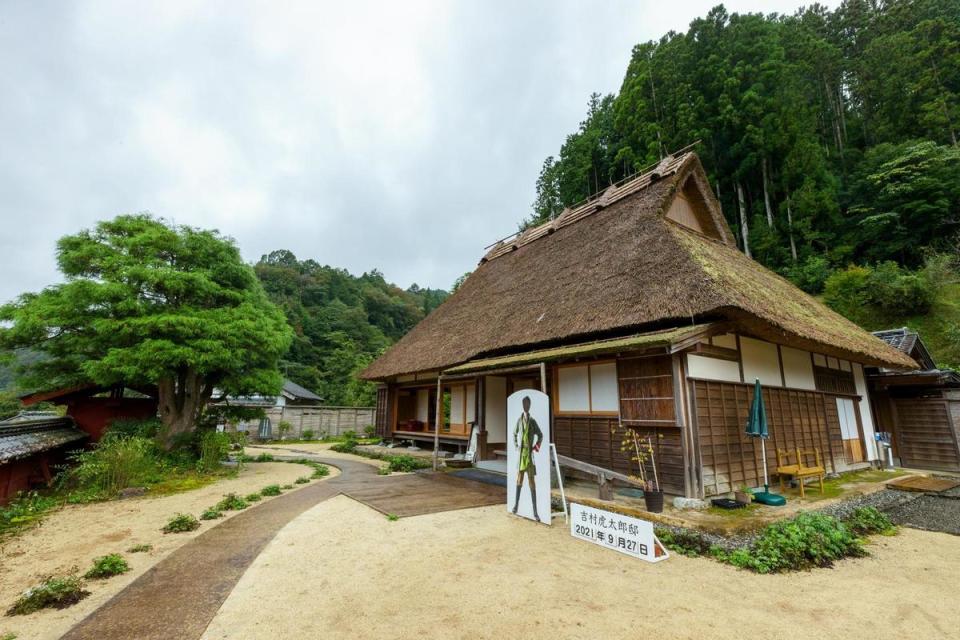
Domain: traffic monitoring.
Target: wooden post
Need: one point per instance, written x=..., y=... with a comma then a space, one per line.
x=606, y=487
x=436, y=423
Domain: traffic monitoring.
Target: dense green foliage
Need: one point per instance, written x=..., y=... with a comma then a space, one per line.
x=57, y=592
x=107, y=566
x=809, y=540
x=838, y=129
x=341, y=322
x=146, y=302
x=181, y=523
x=25, y=510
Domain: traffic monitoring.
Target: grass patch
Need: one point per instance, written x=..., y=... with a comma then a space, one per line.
x=53, y=593
x=286, y=487
x=8, y=636
x=392, y=517
x=253, y=497
x=264, y=457
x=231, y=502
x=140, y=548
x=271, y=490
x=211, y=514
x=686, y=543
x=107, y=566
x=302, y=480
x=181, y=523
x=405, y=463
x=24, y=511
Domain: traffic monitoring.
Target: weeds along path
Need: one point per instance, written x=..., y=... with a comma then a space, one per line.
x=179, y=596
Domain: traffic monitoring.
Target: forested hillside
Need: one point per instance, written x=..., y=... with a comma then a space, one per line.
x=341, y=322
x=830, y=138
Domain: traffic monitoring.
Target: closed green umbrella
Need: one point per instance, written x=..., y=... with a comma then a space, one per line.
x=757, y=428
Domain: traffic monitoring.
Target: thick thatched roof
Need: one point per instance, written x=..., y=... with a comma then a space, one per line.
x=615, y=266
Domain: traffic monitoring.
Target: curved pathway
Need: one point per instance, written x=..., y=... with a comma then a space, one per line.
x=179, y=596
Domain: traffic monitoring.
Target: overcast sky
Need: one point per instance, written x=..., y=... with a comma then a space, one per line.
x=401, y=136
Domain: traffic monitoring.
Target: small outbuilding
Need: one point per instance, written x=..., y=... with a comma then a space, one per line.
x=29, y=446
x=636, y=312
x=920, y=409
x=94, y=408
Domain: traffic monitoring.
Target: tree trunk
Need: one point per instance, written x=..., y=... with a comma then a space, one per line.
x=766, y=192
x=181, y=399
x=744, y=230
x=793, y=243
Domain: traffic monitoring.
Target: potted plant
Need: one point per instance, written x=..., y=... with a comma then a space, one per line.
x=743, y=495
x=642, y=451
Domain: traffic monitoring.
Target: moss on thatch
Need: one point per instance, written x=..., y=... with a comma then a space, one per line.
x=597, y=347
x=620, y=267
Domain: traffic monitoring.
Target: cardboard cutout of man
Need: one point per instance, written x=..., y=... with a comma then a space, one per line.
x=527, y=438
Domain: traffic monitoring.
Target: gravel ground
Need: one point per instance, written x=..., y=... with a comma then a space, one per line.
x=929, y=512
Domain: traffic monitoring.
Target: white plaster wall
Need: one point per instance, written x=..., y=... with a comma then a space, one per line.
x=456, y=405
x=726, y=340
x=572, y=389
x=760, y=360
x=866, y=416
x=798, y=369
x=712, y=368
x=603, y=387
x=495, y=409
x=423, y=405
x=471, y=403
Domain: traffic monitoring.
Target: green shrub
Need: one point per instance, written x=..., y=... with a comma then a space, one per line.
x=117, y=462
x=320, y=470
x=24, y=510
x=180, y=523
x=406, y=463
x=214, y=449
x=881, y=294
x=284, y=427
x=135, y=428
x=867, y=521
x=349, y=445
x=392, y=517
x=687, y=543
x=307, y=434
x=370, y=431
x=806, y=541
x=287, y=487
x=264, y=457
x=302, y=480
x=231, y=502
x=252, y=497
x=8, y=636
x=271, y=490
x=140, y=548
x=55, y=592
x=107, y=566
x=211, y=513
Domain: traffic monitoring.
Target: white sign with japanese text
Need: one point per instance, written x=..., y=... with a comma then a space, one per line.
x=631, y=536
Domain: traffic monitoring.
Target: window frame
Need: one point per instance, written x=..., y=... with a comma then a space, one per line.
x=555, y=386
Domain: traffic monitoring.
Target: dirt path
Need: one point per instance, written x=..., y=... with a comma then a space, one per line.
x=341, y=570
x=179, y=596
x=70, y=538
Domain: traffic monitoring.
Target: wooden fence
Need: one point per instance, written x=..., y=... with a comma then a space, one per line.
x=322, y=421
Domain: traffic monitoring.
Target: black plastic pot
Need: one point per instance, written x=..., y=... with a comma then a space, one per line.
x=654, y=501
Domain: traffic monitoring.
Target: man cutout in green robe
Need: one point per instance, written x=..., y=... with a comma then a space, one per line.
x=527, y=437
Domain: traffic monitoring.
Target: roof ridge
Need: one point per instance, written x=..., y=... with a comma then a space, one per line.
x=667, y=166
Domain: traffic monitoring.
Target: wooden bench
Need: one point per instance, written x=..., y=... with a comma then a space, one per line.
x=800, y=470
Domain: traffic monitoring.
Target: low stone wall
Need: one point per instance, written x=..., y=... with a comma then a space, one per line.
x=323, y=421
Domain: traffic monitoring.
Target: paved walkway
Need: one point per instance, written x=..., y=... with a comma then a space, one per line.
x=179, y=596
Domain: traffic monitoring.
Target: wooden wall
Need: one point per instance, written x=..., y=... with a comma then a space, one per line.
x=729, y=459
x=382, y=414
x=597, y=440
x=926, y=432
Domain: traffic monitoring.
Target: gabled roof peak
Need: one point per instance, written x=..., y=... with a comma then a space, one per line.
x=614, y=193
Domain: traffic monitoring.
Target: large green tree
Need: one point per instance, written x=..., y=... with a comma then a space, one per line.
x=146, y=302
